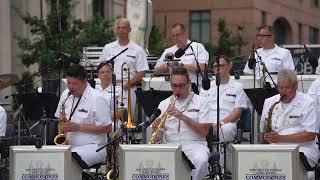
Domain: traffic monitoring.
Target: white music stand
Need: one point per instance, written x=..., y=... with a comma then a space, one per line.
x=153, y=161
x=48, y=162
x=266, y=161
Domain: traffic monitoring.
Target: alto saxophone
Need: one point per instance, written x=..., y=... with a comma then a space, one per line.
x=61, y=138
x=268, y=124
x=157, y=135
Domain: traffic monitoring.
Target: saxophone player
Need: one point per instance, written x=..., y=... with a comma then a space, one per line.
x=187, y=121
x=88, y=117
x=293, y=119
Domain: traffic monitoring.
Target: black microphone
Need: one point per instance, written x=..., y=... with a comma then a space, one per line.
x=153, y=117
x=311, y=58
x=169, y=56
x=70, y=57
x=111, y=61
x=252, y=59
x=180, y=52
x=206, y=82
x=92, y=82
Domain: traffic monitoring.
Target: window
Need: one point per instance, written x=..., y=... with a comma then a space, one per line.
x=263, y=18
x=313, y=35
x=300, y=33
x=200, y=27
x=314, y=3
x=97, y=8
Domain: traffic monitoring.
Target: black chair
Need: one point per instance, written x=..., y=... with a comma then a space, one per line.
x=88, y=175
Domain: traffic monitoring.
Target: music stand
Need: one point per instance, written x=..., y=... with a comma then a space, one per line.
x=34, y=107
x=151, y=99
x=258, y=95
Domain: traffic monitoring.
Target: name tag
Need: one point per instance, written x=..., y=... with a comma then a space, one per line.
x=83, y=110
x=131, y=56
x=294, y=117
x=193, y=110
x=233, y=95
x=276, y=59
x=189, y=54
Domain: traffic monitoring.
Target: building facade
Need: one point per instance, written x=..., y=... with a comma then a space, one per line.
x=295, y=21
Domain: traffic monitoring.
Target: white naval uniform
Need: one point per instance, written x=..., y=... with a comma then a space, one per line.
x=314, y=92
x=231, y=96
x=188, y=58
x=194, y=146
x=275, y=59
x=300, y=115
x=92, y=109
x=135, y=56
x=108, y=94
x=3, y=121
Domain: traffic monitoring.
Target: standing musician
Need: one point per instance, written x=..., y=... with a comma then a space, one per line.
x=274, y=57
x=3, y=121
x=294, y=118
x=88, y=117
x=188, y=59
x=232, y=101
x=134, y=55
x=187, y=121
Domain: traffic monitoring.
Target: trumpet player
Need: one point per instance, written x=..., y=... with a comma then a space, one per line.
x=293, y=119
x=88, y=118
x=187, y=121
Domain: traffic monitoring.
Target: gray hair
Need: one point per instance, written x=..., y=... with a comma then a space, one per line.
x=121, y=19
x=287, y=75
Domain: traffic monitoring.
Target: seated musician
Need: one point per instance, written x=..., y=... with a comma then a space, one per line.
x=293, y=118
x=232, y=100
x=187, y=121
x=3, y=121
x=88, y=117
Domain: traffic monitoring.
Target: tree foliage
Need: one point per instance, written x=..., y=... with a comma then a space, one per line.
x=49, y=36
x=156, y=41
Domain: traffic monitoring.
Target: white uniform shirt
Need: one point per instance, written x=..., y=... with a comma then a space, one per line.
x=231, y=96
x=135, y=56
x=92, y=109
x=275, y=59
x=314, y=91
x=188, y=58
x=108, y=95
x=3, y=121
x=299, y=115
x=197, y=110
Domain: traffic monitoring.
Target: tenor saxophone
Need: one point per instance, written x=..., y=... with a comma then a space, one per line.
x=61, y=138
x=268, y=123
x=157, y=135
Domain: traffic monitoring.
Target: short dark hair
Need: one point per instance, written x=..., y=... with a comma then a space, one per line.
x=77, y=71
x=226, y=58
x=103, y=64
x=180, y=71
x=183, y=28
x=269, y=28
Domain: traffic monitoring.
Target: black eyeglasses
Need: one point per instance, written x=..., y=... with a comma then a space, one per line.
x=175, y=86
x=263, y=35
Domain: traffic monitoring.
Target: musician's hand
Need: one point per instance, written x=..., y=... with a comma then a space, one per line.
x=156, y=123
x=125, y=86
x=69, y=126
x=271, y=137
x=173, y=111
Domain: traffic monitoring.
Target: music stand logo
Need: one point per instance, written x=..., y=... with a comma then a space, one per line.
x=150, y=170
x=39, y=170
x=265, y=169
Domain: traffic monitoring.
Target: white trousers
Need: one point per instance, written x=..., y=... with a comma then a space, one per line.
x=198, y=153
x=89, y=155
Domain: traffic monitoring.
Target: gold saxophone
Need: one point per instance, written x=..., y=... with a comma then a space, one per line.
x=61, y=138
x=157, y=135
x=268, y=123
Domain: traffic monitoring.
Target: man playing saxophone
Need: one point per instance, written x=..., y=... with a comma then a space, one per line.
x=88, y=117
x=187, y=122
x=293, y=119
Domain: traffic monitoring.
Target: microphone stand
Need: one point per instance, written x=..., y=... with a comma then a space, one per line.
x=265, y=69
x=198, y=67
